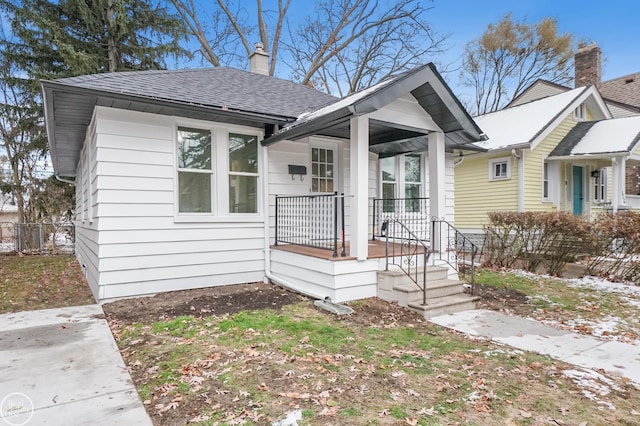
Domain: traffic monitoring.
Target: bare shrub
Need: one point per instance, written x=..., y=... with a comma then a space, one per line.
x=535, y=239
x=617, y=239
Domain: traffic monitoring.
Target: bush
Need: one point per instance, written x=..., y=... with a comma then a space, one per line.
x=535, y=239
x=617, y=240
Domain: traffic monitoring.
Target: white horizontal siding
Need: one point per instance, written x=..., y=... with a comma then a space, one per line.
x=182, y=283
x=341, y=281
x=143, y=248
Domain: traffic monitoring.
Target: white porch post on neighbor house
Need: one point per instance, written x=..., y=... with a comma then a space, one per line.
x=617, y=198
x=359, y=162
x=437, y=202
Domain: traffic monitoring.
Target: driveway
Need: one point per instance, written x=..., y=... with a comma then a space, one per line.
x=62, y=366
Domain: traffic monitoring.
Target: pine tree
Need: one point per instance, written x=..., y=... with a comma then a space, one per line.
x=51, y=39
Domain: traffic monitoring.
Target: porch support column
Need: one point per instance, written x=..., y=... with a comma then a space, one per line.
x=359, y=178
x=437, y=192
x=618, y=172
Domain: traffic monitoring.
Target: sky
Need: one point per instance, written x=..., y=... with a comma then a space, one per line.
x=613, y=25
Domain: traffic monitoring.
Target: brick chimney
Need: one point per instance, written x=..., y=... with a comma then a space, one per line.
x=587, y=64
x=259, y=60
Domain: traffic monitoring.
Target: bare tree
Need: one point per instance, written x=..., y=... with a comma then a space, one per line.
x=351, y=44
x=510, y=56
x=22, y=144
x=340, y=46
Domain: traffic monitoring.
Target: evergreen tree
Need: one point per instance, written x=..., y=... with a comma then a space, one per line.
x=51, y=39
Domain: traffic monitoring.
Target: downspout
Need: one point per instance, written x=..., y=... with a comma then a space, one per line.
x=520, y=158
x=70, y=182
x=268, y=276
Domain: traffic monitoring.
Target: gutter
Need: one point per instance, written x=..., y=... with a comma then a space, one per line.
x=70, y=182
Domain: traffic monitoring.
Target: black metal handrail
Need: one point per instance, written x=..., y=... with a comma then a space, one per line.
x=311, y=220
x=412, y=212
x=459, y=251
x=404, y=252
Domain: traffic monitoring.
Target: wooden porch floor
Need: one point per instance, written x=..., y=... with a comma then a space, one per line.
x=376, y=250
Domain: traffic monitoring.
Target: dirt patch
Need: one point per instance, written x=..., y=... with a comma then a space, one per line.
x=201, y=302
x=503, y=300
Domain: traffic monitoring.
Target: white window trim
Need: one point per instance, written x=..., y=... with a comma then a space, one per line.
x=401, y=182
x=580, y=113
x=493, y=162
x=219, y=173
x=601, y=182
x=337, y=162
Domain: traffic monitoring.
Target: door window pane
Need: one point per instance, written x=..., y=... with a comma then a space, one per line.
x=195, y=192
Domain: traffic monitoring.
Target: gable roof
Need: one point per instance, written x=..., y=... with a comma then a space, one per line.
x=522, y=124
x=215, y=94
x=616, y=135
x=617, y=106
x=424, y=83
x=540, y=88
x=625, y=90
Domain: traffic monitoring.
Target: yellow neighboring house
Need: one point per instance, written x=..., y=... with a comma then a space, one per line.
x=563, y=152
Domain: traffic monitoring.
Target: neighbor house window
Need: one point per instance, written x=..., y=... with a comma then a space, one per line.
x=499, y=168
x=194, y=170
x=412, y=181
x=545, y=180
x=600, y=181
x=580, y=113
x=389, y=177
x=243, y=173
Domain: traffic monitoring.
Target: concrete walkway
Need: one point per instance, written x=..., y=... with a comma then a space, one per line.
x=62, y=366
x=530, y=335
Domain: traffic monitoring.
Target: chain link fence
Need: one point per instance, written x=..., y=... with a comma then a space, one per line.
x=37, y=238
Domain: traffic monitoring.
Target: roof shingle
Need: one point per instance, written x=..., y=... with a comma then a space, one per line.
x=216, y=87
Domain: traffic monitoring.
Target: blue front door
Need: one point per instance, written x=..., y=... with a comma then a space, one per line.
x=578, y=193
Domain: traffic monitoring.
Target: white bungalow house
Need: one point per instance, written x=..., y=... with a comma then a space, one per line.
x=178, y=174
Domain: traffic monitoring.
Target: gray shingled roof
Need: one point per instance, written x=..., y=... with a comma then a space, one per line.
x=213, y=94
x=625, y=89
x=572, y=139
x=215, y=87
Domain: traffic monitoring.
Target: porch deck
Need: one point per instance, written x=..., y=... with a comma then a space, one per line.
x=376, y=250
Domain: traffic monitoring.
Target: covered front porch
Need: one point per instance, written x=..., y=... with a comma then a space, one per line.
x=329, y=170
x=593, y=167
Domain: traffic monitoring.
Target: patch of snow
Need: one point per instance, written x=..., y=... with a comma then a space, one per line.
x=520, y=124
x=626, y=130
x=496, y=352
x=593, y=385
x=346, y=101
x=290, y=420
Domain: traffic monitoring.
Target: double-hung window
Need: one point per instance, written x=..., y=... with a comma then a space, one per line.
x=545, y=180
x=412, y=182
x=243, y=173
x=600, y=190
x=389, y=177
x=195, y=171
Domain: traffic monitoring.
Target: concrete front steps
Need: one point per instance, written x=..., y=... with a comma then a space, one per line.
x=444, y=296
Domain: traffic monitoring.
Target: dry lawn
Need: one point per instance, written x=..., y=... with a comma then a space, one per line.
x=382, y=365
x=28, y=283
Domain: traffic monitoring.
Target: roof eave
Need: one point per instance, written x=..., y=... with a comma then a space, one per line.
x=220, y=110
